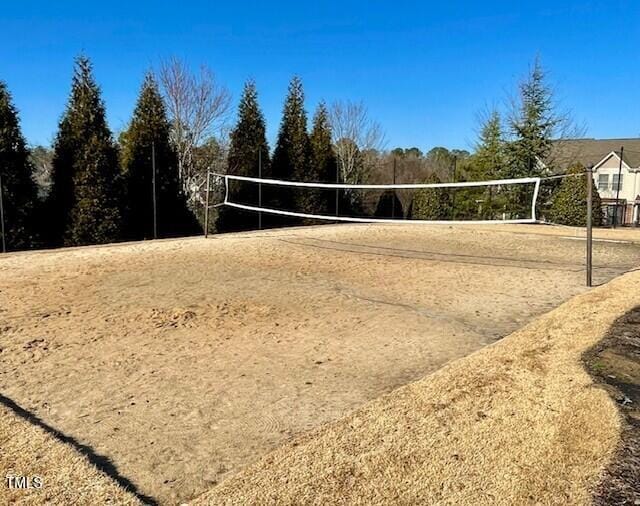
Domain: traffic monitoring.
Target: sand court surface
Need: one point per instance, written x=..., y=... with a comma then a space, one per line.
x=184, y=360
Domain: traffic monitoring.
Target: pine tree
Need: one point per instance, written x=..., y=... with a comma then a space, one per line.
x=488, y=162
x=148, y=135
x=248, y=149
x=489, y=158
x=532, y=125
x=569, y=202
x=84, y=155
x=292, y=153
x=324, y=165
x=18, y=189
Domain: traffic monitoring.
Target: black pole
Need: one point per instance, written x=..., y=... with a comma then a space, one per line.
x=337, y=189
x=393, y=200
x=615, y=214
x=4, y=242
x=589, y=223
x=453, y=197
x=260, y=187
x=153, y=179
x=206, y=205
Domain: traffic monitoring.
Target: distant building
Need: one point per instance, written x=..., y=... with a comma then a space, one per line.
x=604, y=155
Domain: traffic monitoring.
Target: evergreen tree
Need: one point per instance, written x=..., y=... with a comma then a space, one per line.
x=489, y=158
x=532, y=125
x=430, y=203
x=95, y=216
x=389, y=206
x=488, y=162
x=18, y=189
x=569, y=202
x=324, y=165
x=292, y=153
x=148, y=135
x=248, y=149
x=84, y=154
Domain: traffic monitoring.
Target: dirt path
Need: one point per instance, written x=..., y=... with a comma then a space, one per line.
x=184, y=360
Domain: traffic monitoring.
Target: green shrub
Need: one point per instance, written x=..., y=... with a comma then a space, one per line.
x=430, y=203
x=569, y=202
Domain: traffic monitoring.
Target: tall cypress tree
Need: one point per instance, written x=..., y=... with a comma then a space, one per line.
x=324, y=165
x=247, y=150
x=85, y=199
x=148, y=135
x=292, y=153
x=95, y=217
x=18, y=188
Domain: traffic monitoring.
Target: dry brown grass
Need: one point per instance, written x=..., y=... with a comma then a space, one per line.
x=518, y=422
x=67, y=477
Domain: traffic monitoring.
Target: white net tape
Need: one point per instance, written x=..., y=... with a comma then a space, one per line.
x=413, y=186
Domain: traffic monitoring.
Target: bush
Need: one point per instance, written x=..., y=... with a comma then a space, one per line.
x=430, y=203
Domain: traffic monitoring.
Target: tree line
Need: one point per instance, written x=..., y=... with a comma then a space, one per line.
x=92, y=188
x=99, y=190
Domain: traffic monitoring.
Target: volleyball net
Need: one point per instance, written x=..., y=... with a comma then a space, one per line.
x=482, y=202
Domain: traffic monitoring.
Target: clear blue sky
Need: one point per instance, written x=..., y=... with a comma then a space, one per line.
x=423, y=68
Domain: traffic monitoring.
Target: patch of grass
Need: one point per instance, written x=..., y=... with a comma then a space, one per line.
x=66, y=476
x=597, y=366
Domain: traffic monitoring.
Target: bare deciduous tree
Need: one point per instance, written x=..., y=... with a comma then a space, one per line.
x=357, y=139
x=198, y=107
x=42, y=159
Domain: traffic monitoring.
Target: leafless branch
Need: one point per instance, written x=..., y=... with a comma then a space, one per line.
x=198, y=107
x=357, y=139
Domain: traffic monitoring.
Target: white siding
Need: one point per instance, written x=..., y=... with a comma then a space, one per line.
x=630, y=180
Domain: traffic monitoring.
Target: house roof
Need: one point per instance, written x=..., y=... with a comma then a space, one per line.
x=566, y=152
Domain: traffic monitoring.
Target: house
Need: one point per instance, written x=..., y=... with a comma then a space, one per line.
x=616, y=178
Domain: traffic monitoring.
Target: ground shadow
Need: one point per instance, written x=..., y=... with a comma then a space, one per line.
x=101, y=462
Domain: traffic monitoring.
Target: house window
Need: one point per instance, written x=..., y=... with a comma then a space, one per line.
x=615, y=182
x=603, y=182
